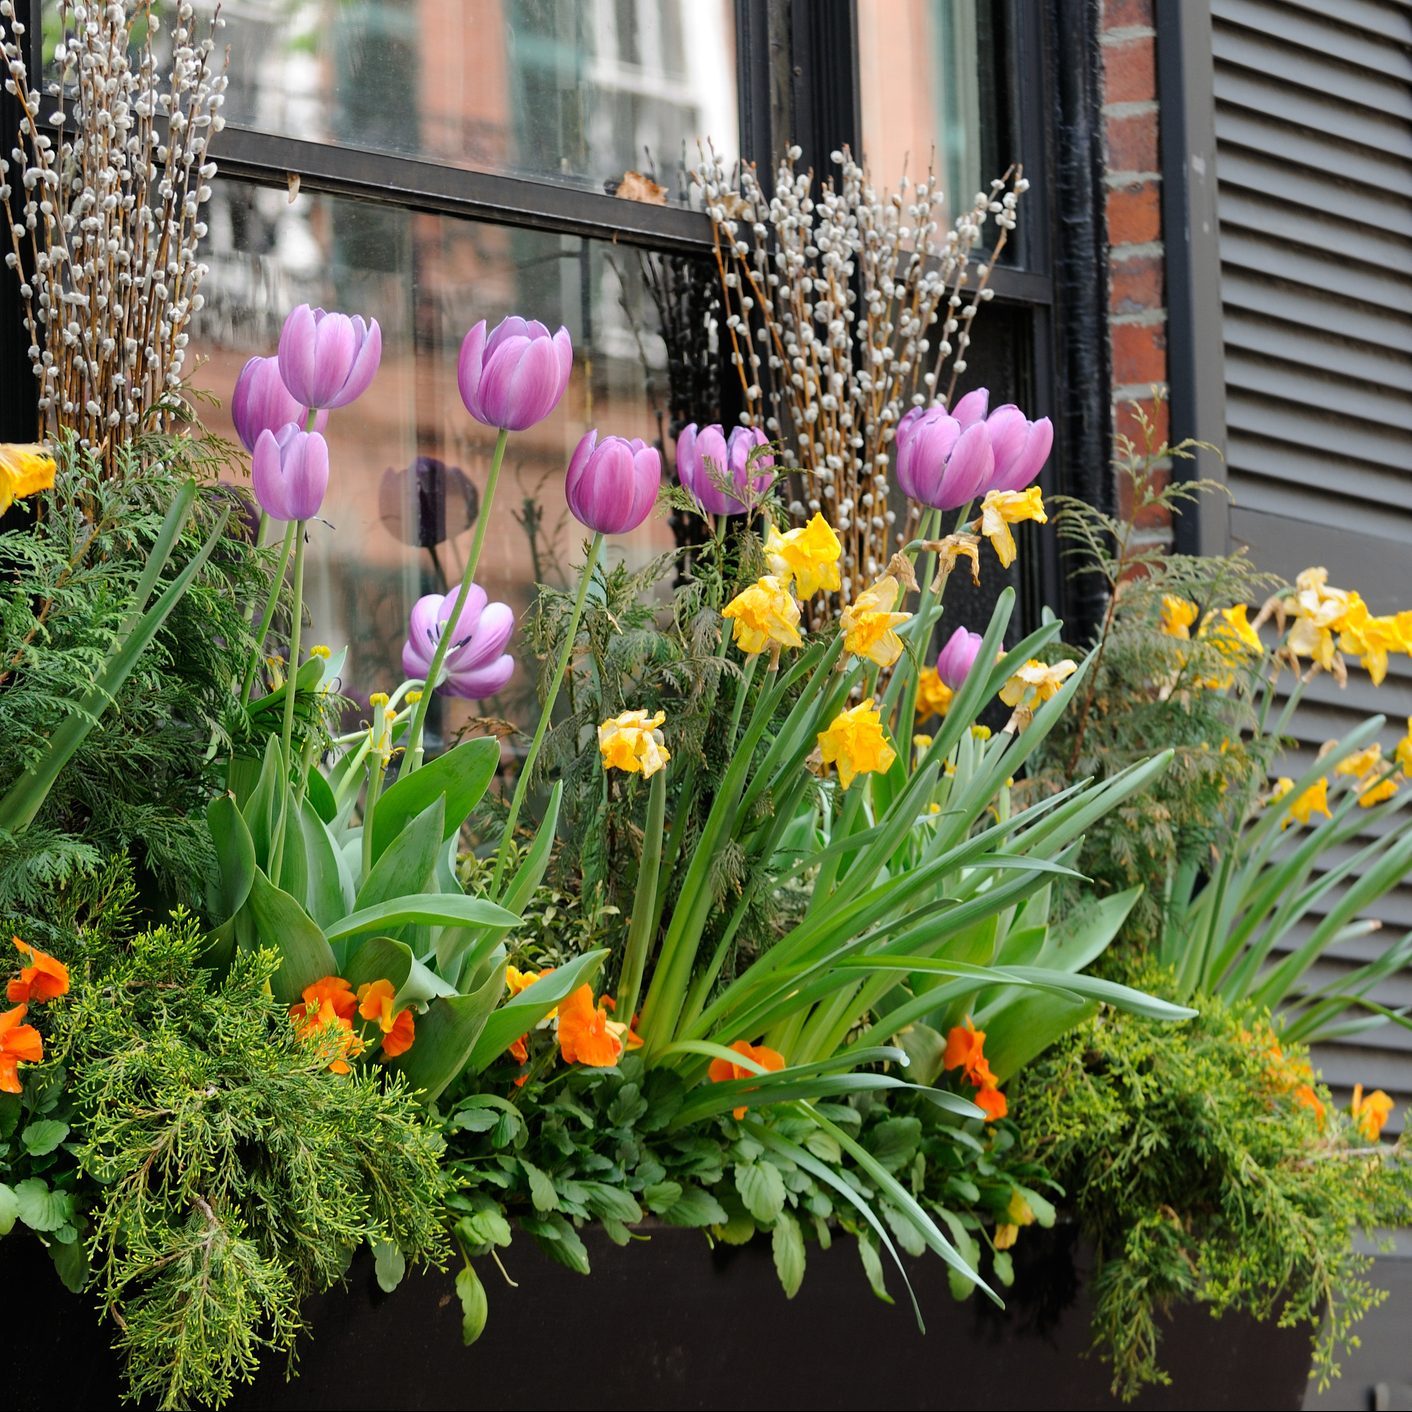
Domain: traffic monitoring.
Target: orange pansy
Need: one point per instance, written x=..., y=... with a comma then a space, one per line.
x=19, y=1044
x=1305, y=1094
x=43, y=979
x=398, y=1040
x=992, y=1101
x=965, y=1051
x=722, y=1070
x=375, y=1001
x=519, y=1051
x=584, y=1036
x=331, y=989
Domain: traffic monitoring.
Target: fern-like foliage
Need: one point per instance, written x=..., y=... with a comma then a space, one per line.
x=69, y=564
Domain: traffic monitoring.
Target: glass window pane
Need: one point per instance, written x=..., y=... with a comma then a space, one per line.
x=408, y=462
x=927, y=74
x=577, y=91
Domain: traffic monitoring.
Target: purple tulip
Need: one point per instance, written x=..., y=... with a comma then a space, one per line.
x=938, y=462
x=958, y=657
x=1021, y=446
x=289, y=472
x=261, y=402
x=514, y=377
x=706, y=456
x=328, y=360
x=612, y=484
x=971, y=408
x=476, y=663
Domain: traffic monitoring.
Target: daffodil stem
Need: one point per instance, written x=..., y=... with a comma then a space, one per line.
x=415, y=745
x=377, y=769
x=291, y=681
x=264, y=631
x=641, y=928
x=550, y=697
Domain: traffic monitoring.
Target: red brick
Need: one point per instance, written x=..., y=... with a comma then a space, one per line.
x=1136, y=285
x=1132, y=142
x=1130, y=70
x=1125, y=423
x=1135, y=214
x=1123, y=14
x=1139, y=353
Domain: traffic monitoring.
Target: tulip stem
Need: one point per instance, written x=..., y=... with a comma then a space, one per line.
x=551, y=696
x=291, y=681
x=415, y=748
x=265, y=622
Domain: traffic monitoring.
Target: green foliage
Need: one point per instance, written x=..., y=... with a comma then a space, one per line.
x=230, y=1172
x=1197, y=1159
x=69, y=575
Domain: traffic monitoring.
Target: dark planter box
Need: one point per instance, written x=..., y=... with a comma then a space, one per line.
x=670, y=1323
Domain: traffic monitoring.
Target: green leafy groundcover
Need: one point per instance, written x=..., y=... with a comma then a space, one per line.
x=1208, y=1165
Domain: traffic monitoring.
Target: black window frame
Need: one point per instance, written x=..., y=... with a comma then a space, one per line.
x=797, y=81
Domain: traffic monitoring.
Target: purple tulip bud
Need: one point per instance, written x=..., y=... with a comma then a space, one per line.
x=612, y=484
x=261, y=402
x=514, y=377
x=958, y=657
x=706, y=457
x=289, y=472
x=476, y=663
x=1021, y=447
x=939, y=463
x=328, y=360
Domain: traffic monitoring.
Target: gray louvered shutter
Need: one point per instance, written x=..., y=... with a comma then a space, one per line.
x=1313, y=129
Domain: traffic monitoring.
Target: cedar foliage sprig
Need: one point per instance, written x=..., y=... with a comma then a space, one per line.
x=234, y=1173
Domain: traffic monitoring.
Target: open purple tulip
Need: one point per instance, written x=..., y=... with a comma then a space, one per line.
x=328, y=360
x=705, y=457
x=940, y=463
x=612, y=484
x=1021, y=447
x=476, y=664
x=958, y=657
x=514, y=376
x=261, y=402
x=289, y=472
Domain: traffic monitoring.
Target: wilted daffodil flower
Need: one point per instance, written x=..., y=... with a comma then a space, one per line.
x=868, y=623
x=25, y=469
x=855, y=743
x=1179, y=616
x=1232, y=635
x=632, y=741
x=1319, y=612
x=1033, y=684
x=808, y=556
x=934, y=697
x=762, y=614
x=1314, y=800
x=1003, y=508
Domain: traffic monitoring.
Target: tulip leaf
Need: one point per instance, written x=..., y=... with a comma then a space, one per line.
x=462, y=775
x=229, y=886
x=319, y=794
x=328, y=886
x=430, y=907
x=282, y=924
x=447, y=1033
x=260, y=808
x=408, y=862
x=522, y=1012
x=377, y=959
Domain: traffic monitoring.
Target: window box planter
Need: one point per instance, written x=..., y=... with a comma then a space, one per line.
x=670, y=1323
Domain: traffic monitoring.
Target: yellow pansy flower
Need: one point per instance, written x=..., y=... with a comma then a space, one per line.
x=868, y=623
x=855, y=743
x=934, y=697
x=1002, y=508
x=808, y=556
x=25, y=469
x=762, y=614
x=1178, y=615
x=632, y=742
x=1036, y=682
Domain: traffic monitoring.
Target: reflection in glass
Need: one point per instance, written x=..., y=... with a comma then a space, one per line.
x=567, y=90
x=927, y=94
x=409, y=463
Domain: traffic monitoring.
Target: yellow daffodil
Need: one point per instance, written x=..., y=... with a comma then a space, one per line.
x=1231, y=634
x=1179, y=615
x=934, y=697
x=1319, y=612
x=855, y=743
x=1402, y=752
x=1314, y=800
x=1369, y=768
x=868, y=624
x=1370, y=1112
x=632, y=742
x=1370, y=639
x=1036, y=682
x=762, y=614
x=25, y=469
x=1002, y=508
x=809, y=556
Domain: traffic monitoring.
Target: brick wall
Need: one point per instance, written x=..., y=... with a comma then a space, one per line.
x=1136, y=295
